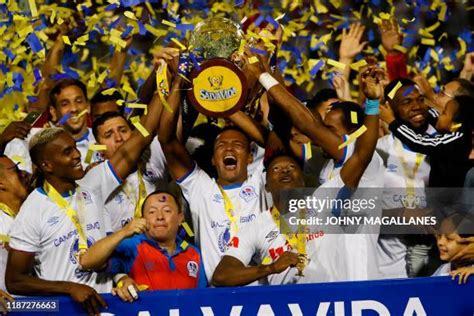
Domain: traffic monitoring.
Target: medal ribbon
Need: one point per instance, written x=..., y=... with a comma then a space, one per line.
x=409, y=175
x=296, y=241
x=70, y=212
x=229, y=211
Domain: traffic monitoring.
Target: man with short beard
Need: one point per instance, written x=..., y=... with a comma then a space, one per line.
x=68, y=101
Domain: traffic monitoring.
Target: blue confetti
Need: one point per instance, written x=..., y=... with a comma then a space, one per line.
x=258, y=51
x=408, y=90
x=259, y=20
x=34, y=42
x=64, y=119
x=127, y=32
x=316, y=68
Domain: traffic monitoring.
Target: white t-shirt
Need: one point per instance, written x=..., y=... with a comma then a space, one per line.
x=392, y=250
x=6, y=222
x=43, y=228
x=17, y=149
x=120, y=205
x=210, y=221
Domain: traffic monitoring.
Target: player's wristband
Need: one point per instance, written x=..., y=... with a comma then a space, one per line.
x=267, y=81
x=118, y=277
x=372, y=107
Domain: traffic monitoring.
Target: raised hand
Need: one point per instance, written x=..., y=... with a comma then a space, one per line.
x=17, y=129
x=123, y=291
x=136, y=226
x=390, y=34
x=372, y=82
x=351, y=41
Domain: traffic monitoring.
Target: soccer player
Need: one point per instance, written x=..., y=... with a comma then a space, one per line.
x=328, y=136
x=219, y=207
x=14, y=189
x=113, y=130
x=262, y=239
x=68, y=101
x=406, y=173
x=150, y=251
x=65, y=216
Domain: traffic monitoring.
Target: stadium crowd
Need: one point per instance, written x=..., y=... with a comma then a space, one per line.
x=125, y=190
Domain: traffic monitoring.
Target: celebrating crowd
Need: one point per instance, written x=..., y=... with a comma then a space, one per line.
x=101, y=195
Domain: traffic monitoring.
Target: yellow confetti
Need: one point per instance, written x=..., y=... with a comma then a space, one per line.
x=25, y=31
x=120, y=102
x=433, y=27
x=336, y=64
x=90, y=151
x=352, y=137
x=253, y=60
x=130, y=15
x=142, y=287
x=168, y=23
x=19, y=159
x=188, y=229
x=428, y=41
x=109, y=91
x=138, y=106
x=442, y=12
x=66, y=40
x=184, y=244
x=181, y=46
x=424, y=33
x=455, y=127
x=400, y=48
x=136, y=122
x=59, y=21
x=354, y=117
x=406, y=21
x=392, y=93
x=357, y=65
x=82, y=113
x=102, y=77
x=462, y=49
x=33, y=8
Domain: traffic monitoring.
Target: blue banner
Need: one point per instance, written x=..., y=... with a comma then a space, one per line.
x=423, y=296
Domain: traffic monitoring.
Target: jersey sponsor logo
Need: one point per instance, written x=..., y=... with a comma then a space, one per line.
x=217, y=198
x=58, y=241
x=234, y=242
x=53, y=220
x=86, y=196
x=272, y=235
x=248, y=218
x=119, y=198
x=215, y=224
x=149, y=265
x=392, y=167
x=275, y=253
x=223, y=239
x=248, y=193
x=193, y=269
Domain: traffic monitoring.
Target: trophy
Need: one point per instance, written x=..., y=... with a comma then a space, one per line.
x=219, y=87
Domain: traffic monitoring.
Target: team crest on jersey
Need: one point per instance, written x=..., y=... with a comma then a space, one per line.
x=53, y=220
x=193, y=269
x=119, y=198
x=86, y=196
x=217, y=198
x=392, y=167
x=272, y=235
x=234, y=242
x=74, y=250
x=248, y=193
x=223, y=239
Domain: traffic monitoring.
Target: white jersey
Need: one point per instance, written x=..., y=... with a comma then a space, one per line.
x=120, y=205
x=6, y=222
x=211, y=224
x=43, y=228
x=371, y=177
x=261, y=241
x=17, y=149
x=403, y=168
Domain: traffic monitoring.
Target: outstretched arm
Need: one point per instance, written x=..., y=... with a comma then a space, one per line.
x=311, y=126
x=96, y=256
x=355, y=167
x=125, y=158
